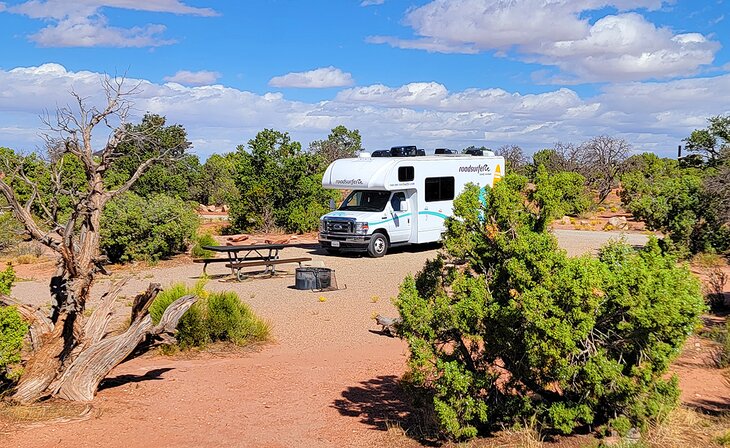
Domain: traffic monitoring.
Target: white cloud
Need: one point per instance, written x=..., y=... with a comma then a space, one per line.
x=314, y=79
x=96, y=33
x=371, y=2
x=652, y=115
x=198, y=78
x=429, y=44
x=617, y=47
x=81, y=23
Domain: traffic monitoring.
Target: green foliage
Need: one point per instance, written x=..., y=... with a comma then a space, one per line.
x=205, y=239
x=51, y=198
x=7, y=277
x=229, y=319
x=712, y=140
x=504, y=327
x=218, y=316
x=280, y=185
x=12, y=331
x=175, y=175
x=216, y=184
x=10, y=230
x=676, y=201
x=135, y=228
x=340, y=143
x=564, y=191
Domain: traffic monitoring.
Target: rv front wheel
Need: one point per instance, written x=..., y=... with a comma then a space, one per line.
x=378, y=245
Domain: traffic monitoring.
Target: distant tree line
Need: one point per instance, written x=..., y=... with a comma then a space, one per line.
x=272, y=183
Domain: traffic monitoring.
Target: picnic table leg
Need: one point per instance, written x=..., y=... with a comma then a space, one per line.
x=233, y=258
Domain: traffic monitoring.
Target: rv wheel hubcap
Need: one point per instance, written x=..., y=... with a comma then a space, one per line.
x=379, y=245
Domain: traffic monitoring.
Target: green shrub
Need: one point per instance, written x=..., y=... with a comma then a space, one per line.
x=12, y=331
x=504, y=327
x=280, y=185
x=7, y=277
x=10, y=230
x=136, y=228
x=688, y=204
x=218, y=316
x=566, y=191
x=229, y=319
x=205, y=239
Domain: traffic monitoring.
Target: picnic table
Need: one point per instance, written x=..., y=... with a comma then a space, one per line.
x=250, y=255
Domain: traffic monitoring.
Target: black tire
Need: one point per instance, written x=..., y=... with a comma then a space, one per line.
x=378, y=245
x=332, y=250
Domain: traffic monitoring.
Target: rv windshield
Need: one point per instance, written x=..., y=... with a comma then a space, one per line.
x=366, y=201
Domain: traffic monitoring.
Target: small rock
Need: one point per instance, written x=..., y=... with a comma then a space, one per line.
x=618, y=222
x=634, y=434
x=565, y=220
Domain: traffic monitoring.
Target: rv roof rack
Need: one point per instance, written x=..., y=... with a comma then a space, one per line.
x=443, y=151
x=400, y=151
x=474, y=152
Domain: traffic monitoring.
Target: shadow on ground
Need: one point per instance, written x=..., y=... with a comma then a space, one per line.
x=381, y=403
x=715, y=407
x=121, y=380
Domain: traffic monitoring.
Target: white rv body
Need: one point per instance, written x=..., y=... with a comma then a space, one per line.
x=420, y=193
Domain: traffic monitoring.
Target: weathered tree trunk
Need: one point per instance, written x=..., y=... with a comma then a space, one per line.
x=72, y=359
x=68, y=222
x=81, y=380
x=45, y=364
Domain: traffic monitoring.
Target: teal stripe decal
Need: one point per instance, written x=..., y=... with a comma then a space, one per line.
x=440, y=215
x=405, y=215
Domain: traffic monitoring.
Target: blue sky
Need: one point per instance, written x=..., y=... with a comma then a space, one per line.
x=433, y=73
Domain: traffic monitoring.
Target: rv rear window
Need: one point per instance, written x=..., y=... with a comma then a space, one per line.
x=439, y=189
x=406, y=174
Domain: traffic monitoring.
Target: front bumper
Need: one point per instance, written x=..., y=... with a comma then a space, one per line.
x=347, y=241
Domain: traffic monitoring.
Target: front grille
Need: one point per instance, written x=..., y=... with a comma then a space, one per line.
x=332, y=226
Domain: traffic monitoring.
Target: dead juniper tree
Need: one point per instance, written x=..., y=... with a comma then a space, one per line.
x=603, y=160
x=72, y=353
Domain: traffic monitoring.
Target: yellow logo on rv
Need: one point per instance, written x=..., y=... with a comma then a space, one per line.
x=497, y=174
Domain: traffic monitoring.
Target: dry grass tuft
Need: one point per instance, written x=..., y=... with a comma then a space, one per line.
x=15, y=416
x=685, y=428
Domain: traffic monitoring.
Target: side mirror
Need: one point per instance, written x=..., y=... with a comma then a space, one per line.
x=404, y=206
x=332, y=204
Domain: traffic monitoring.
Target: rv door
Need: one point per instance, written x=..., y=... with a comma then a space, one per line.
x=400, y=231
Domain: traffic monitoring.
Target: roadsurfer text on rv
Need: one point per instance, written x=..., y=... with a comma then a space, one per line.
x=475, y=169
x=349, y=182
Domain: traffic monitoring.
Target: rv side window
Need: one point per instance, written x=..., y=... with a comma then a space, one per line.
x=406, y=174
x=439, y=189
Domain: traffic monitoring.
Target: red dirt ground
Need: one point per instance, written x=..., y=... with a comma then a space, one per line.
x=326, y=380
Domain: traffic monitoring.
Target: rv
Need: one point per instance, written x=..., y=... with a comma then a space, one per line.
x=398, y=200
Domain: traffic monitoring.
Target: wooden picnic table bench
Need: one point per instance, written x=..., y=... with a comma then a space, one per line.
x=207, y=261
x=249, y=255
x=270, y=265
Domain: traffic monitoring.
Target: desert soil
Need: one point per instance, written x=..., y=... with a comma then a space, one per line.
x=328, y=379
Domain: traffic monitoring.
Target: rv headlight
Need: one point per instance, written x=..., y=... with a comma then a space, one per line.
x=321, y=226
x=361, y=228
